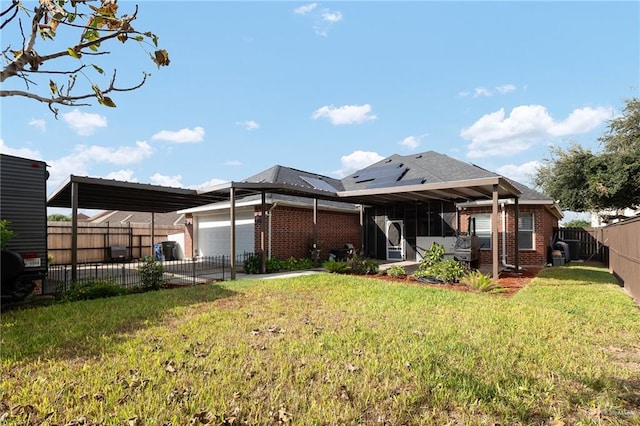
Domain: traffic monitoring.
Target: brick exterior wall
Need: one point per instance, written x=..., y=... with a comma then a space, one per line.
x=292, y=231
x=544, y=222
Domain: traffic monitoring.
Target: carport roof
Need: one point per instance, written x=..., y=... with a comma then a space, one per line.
x=107, y=194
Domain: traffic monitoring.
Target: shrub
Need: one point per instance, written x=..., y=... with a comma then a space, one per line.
x=252, y=264
x=93, y=289
x=478, y=281
x=151, y=273
x=362, y=266
x=335, y=266
x=6, y=234
x=433, y=256
x=449, y=271
x=396, y=271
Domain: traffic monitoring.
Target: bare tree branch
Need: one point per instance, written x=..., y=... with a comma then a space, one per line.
x=14, y=7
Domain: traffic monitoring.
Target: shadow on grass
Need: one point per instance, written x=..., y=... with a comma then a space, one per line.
x=90, y=328
x=587, y=273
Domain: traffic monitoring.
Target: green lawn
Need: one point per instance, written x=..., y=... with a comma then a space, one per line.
x=329, y=349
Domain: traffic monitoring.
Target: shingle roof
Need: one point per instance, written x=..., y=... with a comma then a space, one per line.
x=301, y=178
x=425, y=167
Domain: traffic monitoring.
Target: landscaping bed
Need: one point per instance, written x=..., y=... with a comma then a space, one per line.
x=509, y=282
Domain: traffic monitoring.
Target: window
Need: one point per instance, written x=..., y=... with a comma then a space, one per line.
x=525, y=231
x=483, y=230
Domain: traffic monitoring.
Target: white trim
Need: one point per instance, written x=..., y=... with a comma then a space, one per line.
x=227, y=205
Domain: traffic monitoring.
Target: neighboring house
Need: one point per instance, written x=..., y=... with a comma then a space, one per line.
x=390, y=222
x=607, y=217
x=137, y=218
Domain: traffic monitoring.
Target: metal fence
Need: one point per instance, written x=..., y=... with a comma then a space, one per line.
x=176, y=273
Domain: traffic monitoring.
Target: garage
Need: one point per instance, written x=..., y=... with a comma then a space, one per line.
x=214, y=233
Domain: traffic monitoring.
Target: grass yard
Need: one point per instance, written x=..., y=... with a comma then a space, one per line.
x=329, y=349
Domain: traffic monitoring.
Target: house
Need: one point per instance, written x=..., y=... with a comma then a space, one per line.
x=120, y=217
x=287, y=222
x=392, y=210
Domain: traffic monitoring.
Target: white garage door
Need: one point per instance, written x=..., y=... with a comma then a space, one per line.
x=214, y=233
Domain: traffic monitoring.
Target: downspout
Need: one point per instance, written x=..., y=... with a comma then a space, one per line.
x=273, y=206
x=504, y=239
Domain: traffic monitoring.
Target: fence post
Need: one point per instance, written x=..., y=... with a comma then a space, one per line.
x=193, y=268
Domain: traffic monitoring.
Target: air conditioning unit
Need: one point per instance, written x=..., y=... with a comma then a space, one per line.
x=117, y=253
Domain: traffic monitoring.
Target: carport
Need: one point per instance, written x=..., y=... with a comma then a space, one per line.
x=97, y=193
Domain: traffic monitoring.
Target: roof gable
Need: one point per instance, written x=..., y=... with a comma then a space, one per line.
x=300, y=178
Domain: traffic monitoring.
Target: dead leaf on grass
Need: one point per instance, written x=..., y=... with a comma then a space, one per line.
x=281, y=415
x=170, y=366
x=123, y=399
x=134, y=421
x=352, y=368
x=98, y=396
x=203, y=417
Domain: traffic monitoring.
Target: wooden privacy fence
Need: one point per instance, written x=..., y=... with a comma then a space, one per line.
x=616, y=245
x=623, y=241
x=96, y=242
x=587, y=240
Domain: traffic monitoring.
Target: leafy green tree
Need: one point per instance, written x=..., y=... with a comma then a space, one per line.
x=577, y=223
x=585, y=181
x=44, y=54
x=58, y=217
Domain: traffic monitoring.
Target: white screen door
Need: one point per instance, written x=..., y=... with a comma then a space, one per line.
x=395, y=240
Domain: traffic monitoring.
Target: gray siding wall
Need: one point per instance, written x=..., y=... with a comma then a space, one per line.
x=23, y=202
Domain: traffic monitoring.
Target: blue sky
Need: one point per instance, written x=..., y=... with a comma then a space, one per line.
x=333, y=87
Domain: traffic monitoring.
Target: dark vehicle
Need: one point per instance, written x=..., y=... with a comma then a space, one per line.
x=23, y=205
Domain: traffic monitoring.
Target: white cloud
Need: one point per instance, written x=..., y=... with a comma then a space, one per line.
x=84, y=123
x=346, y=114
x=233, y=163
x=330, y=16
x=357, y=160
x=323, y=19
x=78, y=162
x=117, y=155
x=497, y=134
x=303, y=10
x=412, y=142
x=123, y=175
x=212, y=182
x=481, y=91
x=325, y=22
x=523, y=173
x=506, y=88
x=194, y=135
x=582, y=120
x=19, y=152
x=162, y=180
x=39, y=124
x=249, y=124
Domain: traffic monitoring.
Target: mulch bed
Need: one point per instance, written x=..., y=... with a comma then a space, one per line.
x=510, y=281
